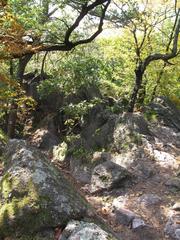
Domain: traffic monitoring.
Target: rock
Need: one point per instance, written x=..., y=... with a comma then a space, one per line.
x=44, y=139
x=129, y=129
x=174, y=183
x=98, y=128
x=84, y=93
x=165, y=159
x=81, y=170
x=166, y=135
x=177, y=233
x=172, y=227
x=79, y=230
x=149, y=199
x=59, y=152
x=146, y=233
x=137, y=223
x=176, y=206
x=119, y=202
x=108, y=175
x=124, y=216
x=146, y=170
x=167, y=112
x=82, y=162
x=125, y=159
x=101, y=156
x=34, y=195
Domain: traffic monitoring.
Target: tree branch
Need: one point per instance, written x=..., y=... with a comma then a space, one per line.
x=167, y=56
x=67, y=44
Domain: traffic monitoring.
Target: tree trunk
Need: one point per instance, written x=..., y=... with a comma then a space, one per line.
x=138, y=83
x=23, y=61
x=142, y=93
x=12, y=120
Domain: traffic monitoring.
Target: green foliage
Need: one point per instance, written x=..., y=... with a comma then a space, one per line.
x=80, y=109
x=74, y=71
x=75, y=113
x=3, y=137
x=150, y=115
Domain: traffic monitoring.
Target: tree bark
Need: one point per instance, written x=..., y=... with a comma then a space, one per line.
x=138, y=83
x=12, y=120
x=23, y=61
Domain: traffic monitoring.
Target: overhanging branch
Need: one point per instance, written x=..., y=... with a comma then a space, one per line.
x=68, y=45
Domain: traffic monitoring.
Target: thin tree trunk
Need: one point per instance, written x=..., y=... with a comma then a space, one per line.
x=12, y=120
x=23, y=61
x=138, y=83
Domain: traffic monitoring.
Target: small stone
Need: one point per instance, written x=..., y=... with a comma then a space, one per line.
x=137, y=222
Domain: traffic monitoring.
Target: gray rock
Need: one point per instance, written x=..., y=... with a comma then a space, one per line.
x=124, y=216
x=137, y=223
x=172, y=227
x=146, y=170
x=101, y=156
x=34, y=195
x=165, y=159
x=149, y=199
x=44, y=139
x=174, y=183
x=167, y=112
x=177, y=233
x=146, y=233
x=81, y=170
x=98, y=128
x=76, y=230
x=108, y=175
x=129, y=129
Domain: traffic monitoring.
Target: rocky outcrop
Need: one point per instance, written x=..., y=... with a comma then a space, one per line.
x=34, y=196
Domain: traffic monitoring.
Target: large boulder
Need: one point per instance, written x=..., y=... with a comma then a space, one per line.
x=84, y=231
x=34, y=195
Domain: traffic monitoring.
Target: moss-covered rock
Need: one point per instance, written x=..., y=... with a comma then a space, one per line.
x=34, y=196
